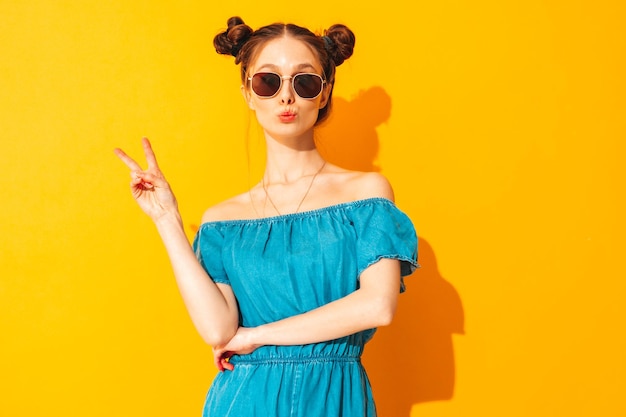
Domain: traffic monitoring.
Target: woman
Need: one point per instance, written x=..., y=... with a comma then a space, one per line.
x=287, y=281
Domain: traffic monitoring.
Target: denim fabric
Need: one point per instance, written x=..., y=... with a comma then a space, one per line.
x=286, y=265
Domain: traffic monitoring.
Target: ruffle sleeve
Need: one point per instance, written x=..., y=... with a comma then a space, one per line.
x=207, y=245
x=384, y=231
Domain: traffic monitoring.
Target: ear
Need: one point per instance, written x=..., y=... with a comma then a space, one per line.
x=325, y=95
x=247, y=96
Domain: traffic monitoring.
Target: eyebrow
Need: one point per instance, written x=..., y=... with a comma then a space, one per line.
x=297, y=68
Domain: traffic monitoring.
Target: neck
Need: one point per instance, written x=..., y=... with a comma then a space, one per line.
x=286, y=164
x=297, y=209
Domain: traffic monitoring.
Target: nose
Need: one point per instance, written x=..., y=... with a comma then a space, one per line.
x=286, y=93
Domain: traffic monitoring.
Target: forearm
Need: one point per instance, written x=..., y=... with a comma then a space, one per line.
x=373, y=305
x=213, y=313
x=340, y=318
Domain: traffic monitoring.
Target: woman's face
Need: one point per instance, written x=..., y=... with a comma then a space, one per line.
x=286, y=115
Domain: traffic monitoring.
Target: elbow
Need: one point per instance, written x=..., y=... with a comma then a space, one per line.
x=384, y=313
x=217, y=337
x=215, y=332
x=385, y=318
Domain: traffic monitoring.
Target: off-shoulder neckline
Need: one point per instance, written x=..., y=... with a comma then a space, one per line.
x=301, y=214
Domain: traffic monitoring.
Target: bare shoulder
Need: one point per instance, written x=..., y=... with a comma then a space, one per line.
x=237, y=207
x=372, y=185
x=357, y=185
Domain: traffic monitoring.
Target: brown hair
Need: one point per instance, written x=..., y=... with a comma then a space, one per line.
x=244, y=43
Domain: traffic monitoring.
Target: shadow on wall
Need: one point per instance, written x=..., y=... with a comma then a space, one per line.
x=411, y=361
x=349, y=138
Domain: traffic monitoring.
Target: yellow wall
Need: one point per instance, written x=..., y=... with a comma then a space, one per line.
x=500, y=124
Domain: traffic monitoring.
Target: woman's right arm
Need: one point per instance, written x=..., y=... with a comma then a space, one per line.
x=212, y=307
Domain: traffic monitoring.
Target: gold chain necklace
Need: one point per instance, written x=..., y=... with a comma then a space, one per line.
x=303, y=198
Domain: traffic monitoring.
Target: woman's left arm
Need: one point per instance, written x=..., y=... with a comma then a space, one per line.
x=372, y=305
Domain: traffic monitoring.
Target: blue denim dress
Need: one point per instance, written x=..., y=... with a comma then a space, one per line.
x=287, y=265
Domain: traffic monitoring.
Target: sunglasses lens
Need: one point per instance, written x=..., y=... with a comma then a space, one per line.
x=265, y=84
x=307, y=85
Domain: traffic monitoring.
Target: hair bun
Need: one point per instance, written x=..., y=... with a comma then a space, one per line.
x=233, y=38
x=339, y=41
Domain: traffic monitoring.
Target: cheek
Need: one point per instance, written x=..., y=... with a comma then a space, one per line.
x=309, y=114
x=324, y=97
x=259, y=106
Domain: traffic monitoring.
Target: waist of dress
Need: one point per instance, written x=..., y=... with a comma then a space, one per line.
x=268, y=360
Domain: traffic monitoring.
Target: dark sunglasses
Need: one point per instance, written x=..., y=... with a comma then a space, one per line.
x=268, y=84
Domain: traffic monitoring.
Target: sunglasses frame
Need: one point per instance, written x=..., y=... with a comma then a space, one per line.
x=287, y=77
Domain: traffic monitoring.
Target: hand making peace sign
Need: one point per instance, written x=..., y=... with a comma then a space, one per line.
x=149, y=187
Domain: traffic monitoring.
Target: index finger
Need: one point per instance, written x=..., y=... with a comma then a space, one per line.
x=150, y=157
x=130, y=162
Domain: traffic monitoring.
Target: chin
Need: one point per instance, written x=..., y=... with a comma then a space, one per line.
x=289, y=130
